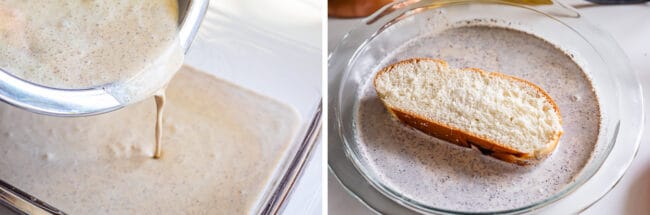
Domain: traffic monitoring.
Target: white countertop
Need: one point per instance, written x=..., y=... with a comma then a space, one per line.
x=630, y=27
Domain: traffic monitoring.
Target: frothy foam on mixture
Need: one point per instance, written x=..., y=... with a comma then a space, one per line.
x=81, y=44
x=446, y=176
x=222, y=146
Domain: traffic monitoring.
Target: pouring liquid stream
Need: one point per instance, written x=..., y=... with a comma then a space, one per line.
x=208, y=133
x=160, y=104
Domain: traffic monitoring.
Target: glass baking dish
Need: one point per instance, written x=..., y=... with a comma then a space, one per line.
x=361, y=51
x=259, y=51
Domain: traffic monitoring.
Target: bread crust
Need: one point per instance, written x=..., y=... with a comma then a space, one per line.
x=464, y=138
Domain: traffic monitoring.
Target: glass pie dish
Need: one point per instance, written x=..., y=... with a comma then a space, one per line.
x=224, y=46
x=358, y=55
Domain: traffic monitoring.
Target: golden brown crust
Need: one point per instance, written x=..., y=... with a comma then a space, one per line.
x=464, y=138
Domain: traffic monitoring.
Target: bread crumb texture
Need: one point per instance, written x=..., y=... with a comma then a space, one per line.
x=500, y=109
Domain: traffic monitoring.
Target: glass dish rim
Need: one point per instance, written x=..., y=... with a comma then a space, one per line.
x=291, y=168
x=414, y=205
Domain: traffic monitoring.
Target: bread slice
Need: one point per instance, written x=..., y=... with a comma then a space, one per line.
x=504, y=117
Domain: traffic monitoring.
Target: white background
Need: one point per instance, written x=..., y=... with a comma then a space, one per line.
x=630, y=27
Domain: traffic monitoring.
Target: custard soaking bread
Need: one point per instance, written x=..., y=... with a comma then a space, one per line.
x=503, y=116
